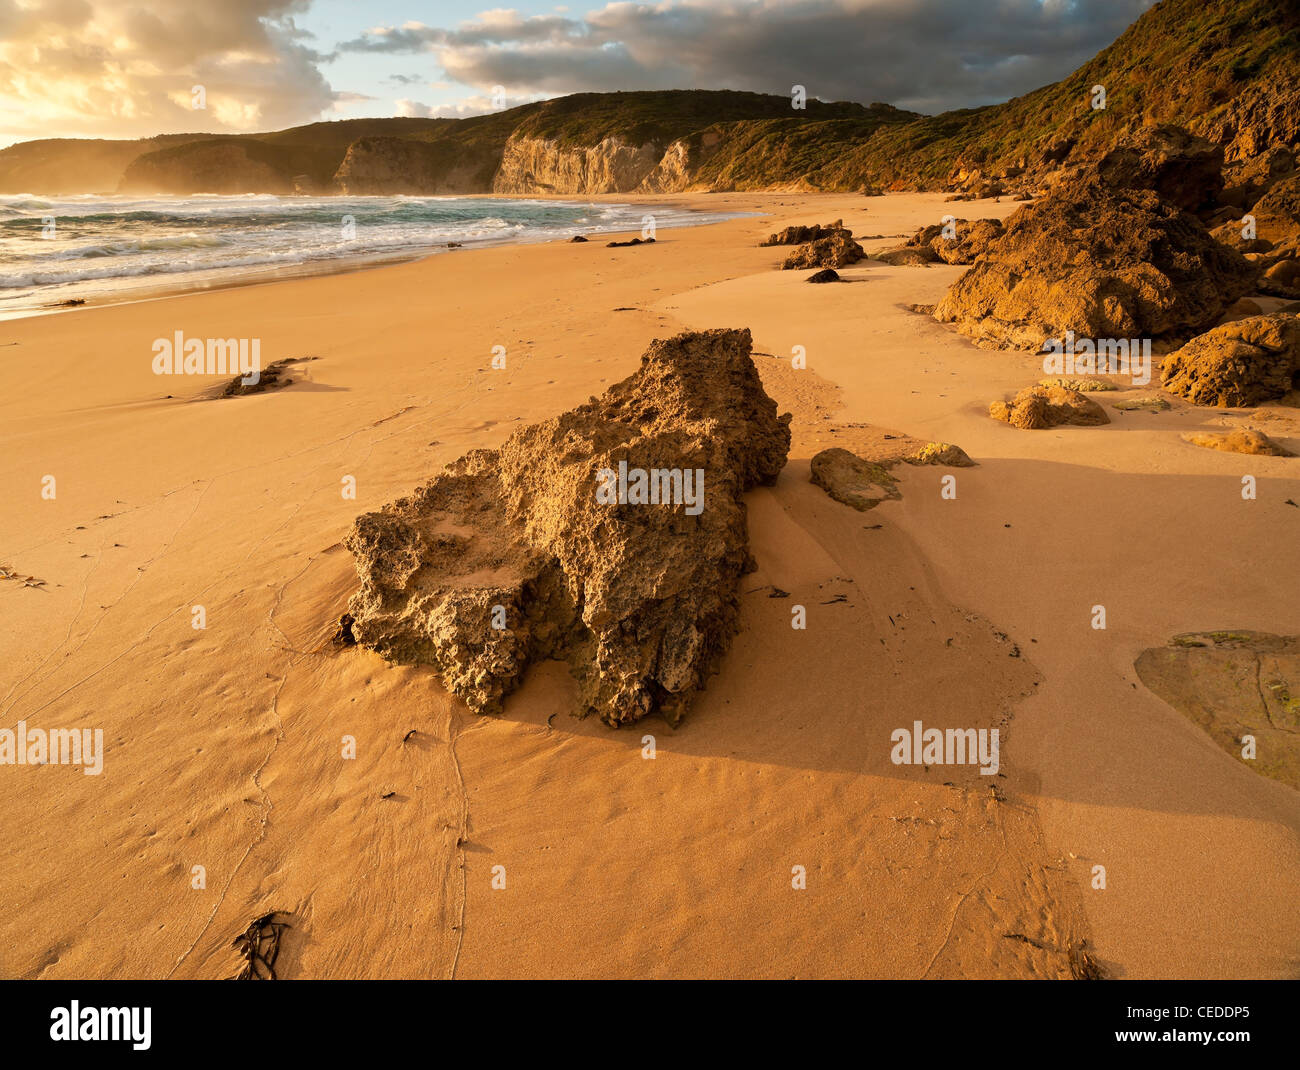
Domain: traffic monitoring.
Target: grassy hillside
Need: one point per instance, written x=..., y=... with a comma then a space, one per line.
x=585, y=119
x=1182, y=62
x=1185, y=61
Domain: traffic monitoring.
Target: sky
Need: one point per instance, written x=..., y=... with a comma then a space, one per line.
x=130, y=68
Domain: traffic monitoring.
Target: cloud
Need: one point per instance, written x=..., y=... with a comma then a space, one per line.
x=475, y=105
x=127, y=68
x=928, y=55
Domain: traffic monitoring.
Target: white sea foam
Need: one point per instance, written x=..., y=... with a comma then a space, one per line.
x=103, y=245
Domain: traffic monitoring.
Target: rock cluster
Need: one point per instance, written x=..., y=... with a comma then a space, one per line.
x=827, y=246
x=544, y=548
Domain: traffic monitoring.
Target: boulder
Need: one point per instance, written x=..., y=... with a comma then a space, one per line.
x=1103, y=263
x=1237, y=364
x=1038, y=407
x=548, y=548
x=825, y=275
x=836, y=251
x=850, y=480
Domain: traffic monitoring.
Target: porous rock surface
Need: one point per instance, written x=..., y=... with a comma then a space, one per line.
x=1102, y=262
x=1037, y=407
x=640, y=599
x=1239, y=363
x=971, y=239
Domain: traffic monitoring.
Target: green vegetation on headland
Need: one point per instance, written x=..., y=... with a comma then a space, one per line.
x=1226, y=69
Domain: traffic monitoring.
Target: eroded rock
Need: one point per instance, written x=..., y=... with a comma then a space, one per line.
x=970, y=239
x=797, y=235
x=1240, y=440
x=941, y=453
x=1037, y=407
x=517, y=554
x=836, y=251
x=1239, y=363
x=852, y=481
x=1103, y=263
x=1185, y=170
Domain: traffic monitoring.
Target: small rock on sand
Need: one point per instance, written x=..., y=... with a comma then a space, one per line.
x=1084, y=386
x=1145, y=403
x=849, y=479
x=1241, y=440
x=1037, y=407
x=825, y=275
x=942, y=453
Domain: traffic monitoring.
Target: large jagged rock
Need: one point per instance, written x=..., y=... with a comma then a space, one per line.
x=1185, y=170
x=513, y=555
x=971, y=239
x=1239, y=363
x=1099, y=262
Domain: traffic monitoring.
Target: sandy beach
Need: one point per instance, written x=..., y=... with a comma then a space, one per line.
x=537, y=845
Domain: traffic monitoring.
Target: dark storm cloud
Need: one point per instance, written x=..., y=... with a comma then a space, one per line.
x=928, y=55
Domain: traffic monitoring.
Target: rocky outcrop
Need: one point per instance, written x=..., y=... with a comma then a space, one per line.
x=1262, y=116
x=1277, y=212
x=970, y=239
x=1037, y=407
x=530, y=165
x=613, y=537
x=1185, y=170
x=798, y=235
x=838, y=250
x=1239, y=363
x=1102, y=263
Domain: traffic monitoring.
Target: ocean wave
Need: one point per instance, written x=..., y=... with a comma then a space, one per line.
x=98, y=240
